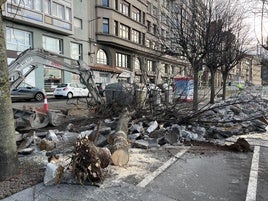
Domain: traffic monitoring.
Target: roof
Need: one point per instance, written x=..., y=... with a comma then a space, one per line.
x=106, y=68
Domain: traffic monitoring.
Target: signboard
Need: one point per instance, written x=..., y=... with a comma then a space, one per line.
x=184, y=88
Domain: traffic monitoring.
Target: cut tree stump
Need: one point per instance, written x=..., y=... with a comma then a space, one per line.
x=88, y=160
x=119, y=140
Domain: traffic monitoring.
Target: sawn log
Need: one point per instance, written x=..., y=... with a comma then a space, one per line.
x=119, y=140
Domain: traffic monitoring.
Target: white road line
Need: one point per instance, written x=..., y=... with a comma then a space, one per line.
x=253, y=177
x=157, y=172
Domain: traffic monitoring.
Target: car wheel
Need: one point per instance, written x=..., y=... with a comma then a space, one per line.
x=69, y=95
x=39, y=96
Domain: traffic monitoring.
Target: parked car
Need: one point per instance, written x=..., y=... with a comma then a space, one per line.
x=27, y=92
x=70, y=90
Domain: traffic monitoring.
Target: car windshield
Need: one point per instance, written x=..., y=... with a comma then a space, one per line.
x=24, y=84
x=61, y=85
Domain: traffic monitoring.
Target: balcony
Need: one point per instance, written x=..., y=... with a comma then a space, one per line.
x=36, y=18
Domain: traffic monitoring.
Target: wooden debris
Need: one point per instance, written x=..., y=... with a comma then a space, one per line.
x=119, y=140
x=88, y=160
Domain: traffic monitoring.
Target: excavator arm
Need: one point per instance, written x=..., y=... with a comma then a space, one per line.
x=30, y=59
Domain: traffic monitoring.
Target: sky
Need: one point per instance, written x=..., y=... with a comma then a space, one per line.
x=254, y=20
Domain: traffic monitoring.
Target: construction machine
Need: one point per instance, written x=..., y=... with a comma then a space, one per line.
x=31, y=59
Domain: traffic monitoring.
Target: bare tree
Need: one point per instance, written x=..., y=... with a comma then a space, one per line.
x=215, y=24
x=235, y=43
x=8, y=149
x=188, y=29
x=226, y=40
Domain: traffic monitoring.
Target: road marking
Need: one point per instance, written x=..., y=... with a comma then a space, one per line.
x=253, y=177
x=157, y=172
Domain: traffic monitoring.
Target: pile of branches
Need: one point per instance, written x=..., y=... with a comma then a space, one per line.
x=88, y=161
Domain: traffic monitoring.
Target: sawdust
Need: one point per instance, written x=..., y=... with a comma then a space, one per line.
x=141, y=163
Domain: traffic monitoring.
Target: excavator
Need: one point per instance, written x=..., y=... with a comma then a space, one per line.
x=31, y=59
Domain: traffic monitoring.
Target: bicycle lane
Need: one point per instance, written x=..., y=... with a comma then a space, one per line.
x=262, y=182
x=218, y=176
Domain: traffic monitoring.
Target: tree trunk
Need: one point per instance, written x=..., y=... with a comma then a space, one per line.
x=8, y=148
x=119, y=141
x=224, y=80
x=212, y=87
x=195, y=96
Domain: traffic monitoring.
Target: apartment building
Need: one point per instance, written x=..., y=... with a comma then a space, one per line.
x=130, y=36
x=121, y=40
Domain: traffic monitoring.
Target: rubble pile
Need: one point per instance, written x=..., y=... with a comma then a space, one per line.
x=235, y=116
x=240, y=114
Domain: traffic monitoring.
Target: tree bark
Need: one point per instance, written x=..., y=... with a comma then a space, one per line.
x=212, y=87
x=224, y=81
x=195, y=95
x=8, y=148
x=119, y=141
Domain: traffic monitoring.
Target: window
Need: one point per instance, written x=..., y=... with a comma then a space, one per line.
x=116, y=28
x=149, y=65
x=155, y=29
x=124, y=32
x=76, y=51
x=136, y=14
x=18, y=40
x=101, y=57
x=68, y=14
x=173, y=70
x=116, y=4
x=78, y=23
x=148, y=26
x=166, y=68
x=149, y=7
x=122, y=60
x=27, y=4
x=105, y=25
x=58, y=10
x=47, y=7
x=137, y=64
x=154, y=11
x=147, y=43
x=124, y=8
x=135, y=36
x=163, y=33
x=38, y=5
x=53, y=44
x=105, y=3
x=163, y=18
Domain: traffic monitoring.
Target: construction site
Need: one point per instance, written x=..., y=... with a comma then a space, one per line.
x=126, y=134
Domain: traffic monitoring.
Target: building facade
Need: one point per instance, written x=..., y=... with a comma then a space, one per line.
x=121, y=40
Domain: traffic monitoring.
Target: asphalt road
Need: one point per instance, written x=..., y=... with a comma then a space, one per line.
x=216, y=176
x=53, y=103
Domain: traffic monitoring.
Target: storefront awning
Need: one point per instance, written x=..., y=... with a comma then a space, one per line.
x=105, y=68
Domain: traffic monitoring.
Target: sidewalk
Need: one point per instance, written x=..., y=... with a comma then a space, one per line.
x=65, y=192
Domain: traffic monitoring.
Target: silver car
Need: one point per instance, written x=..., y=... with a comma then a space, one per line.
x=27, y=92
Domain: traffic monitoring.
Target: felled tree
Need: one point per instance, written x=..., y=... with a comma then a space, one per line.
x=88, y=161
x=119, y=140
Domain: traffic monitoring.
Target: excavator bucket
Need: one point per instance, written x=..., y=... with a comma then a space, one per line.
x=27, y=119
